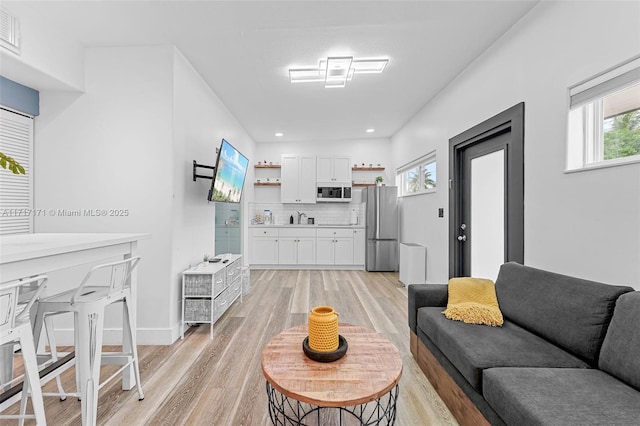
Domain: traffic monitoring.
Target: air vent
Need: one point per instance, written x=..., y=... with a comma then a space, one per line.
x=9, y=31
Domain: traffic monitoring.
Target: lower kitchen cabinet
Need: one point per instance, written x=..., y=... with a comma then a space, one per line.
x=307, y=246
x=297, y=246
x=334, y=246
x=264, y=246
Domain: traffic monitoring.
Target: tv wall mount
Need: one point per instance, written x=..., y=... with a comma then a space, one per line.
x=202, y=166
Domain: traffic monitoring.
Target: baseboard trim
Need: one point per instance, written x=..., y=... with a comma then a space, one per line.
x=456, y=400
x=309, y=267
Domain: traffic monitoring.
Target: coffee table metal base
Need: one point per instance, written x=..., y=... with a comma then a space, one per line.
x=286, y=411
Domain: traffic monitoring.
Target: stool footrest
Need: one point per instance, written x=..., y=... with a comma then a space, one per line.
x=46, y=374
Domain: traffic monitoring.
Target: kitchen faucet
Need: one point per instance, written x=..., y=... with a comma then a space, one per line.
x=300, y=216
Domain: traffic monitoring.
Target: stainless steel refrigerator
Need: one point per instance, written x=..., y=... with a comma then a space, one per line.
x=382, y=228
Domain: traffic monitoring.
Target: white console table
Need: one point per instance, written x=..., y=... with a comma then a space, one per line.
x=209, y=289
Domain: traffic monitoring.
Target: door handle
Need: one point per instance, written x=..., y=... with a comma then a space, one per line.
x=462, y=238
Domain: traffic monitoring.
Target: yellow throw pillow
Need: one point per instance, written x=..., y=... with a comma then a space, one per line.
x=474, y=301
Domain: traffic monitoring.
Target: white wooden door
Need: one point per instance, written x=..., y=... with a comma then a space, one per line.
x=289, y=179
x=307, y=180
x=324, y=253
x=288, y=251
x=343, y=251
x=324, y=172
x=306, y=251
x=342, y=169
x=264, y=251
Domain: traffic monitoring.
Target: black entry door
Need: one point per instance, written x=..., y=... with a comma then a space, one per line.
x=486, y=214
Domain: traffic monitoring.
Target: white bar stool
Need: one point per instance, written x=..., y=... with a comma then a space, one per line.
x=15, y=327
x=88, y=303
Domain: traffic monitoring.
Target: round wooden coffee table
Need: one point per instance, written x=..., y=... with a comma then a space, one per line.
x=360, y=387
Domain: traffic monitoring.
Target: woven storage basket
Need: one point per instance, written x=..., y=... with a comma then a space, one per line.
x=323, y=329
x=197, y=285
x=197, y=310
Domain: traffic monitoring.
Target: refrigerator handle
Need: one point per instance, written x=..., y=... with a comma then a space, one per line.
x=377, y=197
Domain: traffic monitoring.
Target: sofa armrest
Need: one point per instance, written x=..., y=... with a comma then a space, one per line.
x=422, y=295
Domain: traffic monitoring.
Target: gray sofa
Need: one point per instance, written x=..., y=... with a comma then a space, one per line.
x=567, y=354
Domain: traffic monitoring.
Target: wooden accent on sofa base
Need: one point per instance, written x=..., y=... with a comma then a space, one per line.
x=460, y=405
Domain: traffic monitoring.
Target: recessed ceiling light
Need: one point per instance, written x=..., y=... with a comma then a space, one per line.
x=336, y=71
x=279, y=134
x=371, y=130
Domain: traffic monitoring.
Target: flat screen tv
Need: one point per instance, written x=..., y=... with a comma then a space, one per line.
x=228, y=175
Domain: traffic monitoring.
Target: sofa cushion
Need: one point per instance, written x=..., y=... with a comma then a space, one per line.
x=560, y=396
x=620, y=354
x=571, y=312
x=472, y=348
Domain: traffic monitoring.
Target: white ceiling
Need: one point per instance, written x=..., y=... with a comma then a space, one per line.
x=243, y=50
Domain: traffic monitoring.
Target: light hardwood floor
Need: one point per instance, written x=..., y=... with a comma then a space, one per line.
x=198, y=381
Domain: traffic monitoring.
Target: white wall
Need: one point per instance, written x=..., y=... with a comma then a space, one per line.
x=200, y=122
x=48, y=59
x=111, y=148
x=583, y=224
x=128, y=142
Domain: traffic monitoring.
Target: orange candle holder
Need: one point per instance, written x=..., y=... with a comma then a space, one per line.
x=323, y=329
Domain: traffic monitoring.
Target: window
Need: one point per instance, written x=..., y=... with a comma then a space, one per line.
x=419, y=176
x=604, y=119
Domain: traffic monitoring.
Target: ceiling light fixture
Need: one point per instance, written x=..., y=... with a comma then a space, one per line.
x=370, y=130
x=336, y=71
x=279, y=134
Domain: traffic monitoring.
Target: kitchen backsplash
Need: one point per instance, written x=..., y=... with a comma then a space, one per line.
x=323, y=213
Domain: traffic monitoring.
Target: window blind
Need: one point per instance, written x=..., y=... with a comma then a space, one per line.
x=607, y=82
x=16, y=191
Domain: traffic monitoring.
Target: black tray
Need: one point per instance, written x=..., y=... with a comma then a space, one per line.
x=326, y=356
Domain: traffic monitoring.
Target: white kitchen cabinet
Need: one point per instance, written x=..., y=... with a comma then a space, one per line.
x=343, y=251
x=264, y=246
x=298, y=179
x=334, y=246
x=359, y=244
x=324, y=251
x=333, y=169
x=297, y=246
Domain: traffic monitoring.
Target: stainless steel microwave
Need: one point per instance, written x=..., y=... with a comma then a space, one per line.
x=333, y=193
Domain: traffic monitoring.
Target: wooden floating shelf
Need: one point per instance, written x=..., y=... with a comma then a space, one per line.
x=366, y=169
x=267, y=183
x=363, y=184
x=267, y=166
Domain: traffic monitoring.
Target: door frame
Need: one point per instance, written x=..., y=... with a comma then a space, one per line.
x=511, y=119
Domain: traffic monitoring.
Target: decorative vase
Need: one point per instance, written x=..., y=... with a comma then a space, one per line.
x=323, y=329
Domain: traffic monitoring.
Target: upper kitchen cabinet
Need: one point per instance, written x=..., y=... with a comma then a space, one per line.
x=298, y=179
x=333, y=169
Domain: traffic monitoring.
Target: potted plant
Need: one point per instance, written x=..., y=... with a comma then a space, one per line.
x=379, y=180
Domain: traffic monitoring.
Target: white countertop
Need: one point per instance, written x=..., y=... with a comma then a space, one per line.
x=213, y=267
x=14, y=248
x=322, y=225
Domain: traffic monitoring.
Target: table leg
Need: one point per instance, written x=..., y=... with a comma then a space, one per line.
x=287, y=411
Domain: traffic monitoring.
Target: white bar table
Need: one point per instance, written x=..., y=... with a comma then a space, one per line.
x=25, y=255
